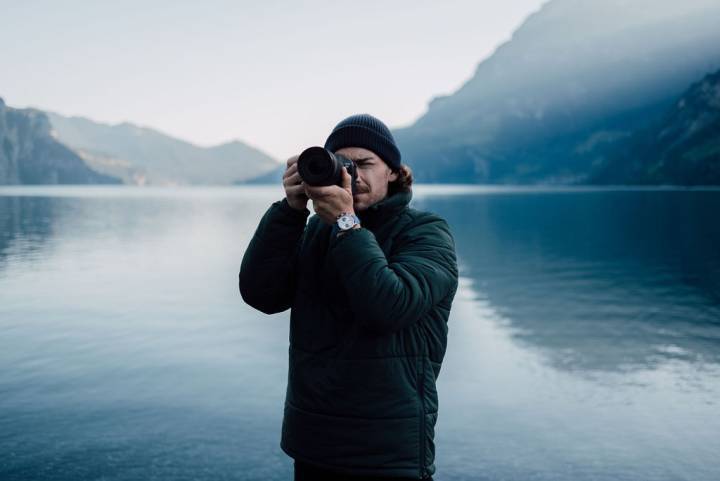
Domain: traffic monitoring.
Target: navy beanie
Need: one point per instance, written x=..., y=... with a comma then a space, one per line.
x=368, y=132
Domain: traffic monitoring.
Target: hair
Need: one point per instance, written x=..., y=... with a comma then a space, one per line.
x=404, y=180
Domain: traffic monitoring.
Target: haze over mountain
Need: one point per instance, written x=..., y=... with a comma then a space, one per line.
x=577, y=77
x=141, y=155
x=682, y=147
x=584, y=92
x=30, y=155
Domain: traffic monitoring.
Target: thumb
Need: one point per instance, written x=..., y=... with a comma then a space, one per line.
x=346, y=180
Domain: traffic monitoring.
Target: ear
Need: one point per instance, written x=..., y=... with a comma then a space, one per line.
x=393, y=176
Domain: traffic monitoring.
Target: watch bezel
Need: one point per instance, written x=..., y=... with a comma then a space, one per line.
x=346, y=221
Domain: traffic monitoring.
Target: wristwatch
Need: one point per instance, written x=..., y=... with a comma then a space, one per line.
x=346, y=221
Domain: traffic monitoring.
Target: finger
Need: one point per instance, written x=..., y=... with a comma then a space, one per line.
x=313, y=191
x=323, y=191
x=315, y=194
x=290, y=170
x=347, y=179
x=292, y=160
x=292, y=179
x=295, y=190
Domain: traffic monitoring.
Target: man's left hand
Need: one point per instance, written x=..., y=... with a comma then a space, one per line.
x=332, y=200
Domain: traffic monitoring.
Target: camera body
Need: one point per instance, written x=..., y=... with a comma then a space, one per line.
x=318, y=166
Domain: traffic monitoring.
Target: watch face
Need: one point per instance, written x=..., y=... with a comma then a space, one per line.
x=345, y=222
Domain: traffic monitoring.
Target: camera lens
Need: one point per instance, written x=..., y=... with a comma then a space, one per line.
x=319, y=167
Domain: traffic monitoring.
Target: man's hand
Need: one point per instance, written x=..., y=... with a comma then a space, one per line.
x=294, y=187
x=332, y=200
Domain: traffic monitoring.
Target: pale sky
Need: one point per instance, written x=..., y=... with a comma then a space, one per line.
x=277, y=75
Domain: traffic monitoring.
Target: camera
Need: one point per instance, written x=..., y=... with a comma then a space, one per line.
x=318, y=166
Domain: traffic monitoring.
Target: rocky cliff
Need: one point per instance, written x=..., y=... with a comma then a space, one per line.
x=575, y=78
x=682, y=147
x=30, y=155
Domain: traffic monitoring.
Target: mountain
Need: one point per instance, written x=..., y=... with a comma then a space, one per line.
x=576, y=78
x=275, y=176
x=30, y=155
x=141, y=155
x=682, y=147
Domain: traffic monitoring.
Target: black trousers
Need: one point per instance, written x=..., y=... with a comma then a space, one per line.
x=308, y=472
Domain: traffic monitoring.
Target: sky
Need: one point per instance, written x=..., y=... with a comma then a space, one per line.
x=277, y=75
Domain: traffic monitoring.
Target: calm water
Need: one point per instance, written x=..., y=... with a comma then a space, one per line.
x=584, y=340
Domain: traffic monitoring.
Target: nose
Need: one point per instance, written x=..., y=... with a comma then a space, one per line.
x=361, y=185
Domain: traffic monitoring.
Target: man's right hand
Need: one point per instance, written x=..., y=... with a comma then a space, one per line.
x=294, y=188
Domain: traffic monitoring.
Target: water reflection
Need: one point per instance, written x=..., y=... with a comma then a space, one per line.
x=583, y=340
x=127, y=352
x=26, y=223
x=506, y=413
x=615, y=280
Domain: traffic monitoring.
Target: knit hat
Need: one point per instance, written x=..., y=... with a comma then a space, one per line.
x=366, y=131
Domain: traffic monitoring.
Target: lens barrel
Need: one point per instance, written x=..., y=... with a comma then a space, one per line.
x=318, y=166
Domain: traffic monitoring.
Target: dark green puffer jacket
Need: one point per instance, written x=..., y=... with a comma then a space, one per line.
x=368, y=332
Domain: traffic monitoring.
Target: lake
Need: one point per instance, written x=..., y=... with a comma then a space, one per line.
x=584, y=341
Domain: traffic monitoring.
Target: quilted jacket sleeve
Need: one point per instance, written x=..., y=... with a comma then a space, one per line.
x=387, y=294
x=267, y=272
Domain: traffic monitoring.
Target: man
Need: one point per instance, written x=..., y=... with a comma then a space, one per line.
x=370, y=282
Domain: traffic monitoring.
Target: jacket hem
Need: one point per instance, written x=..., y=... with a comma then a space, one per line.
x=353, y=470
x=354, y=446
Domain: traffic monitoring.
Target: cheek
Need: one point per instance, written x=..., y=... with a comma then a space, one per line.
x=371, y=180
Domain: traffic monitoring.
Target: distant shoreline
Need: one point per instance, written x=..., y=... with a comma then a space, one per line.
x=81, y=190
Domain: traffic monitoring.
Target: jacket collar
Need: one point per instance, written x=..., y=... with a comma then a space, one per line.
x=387, y=208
